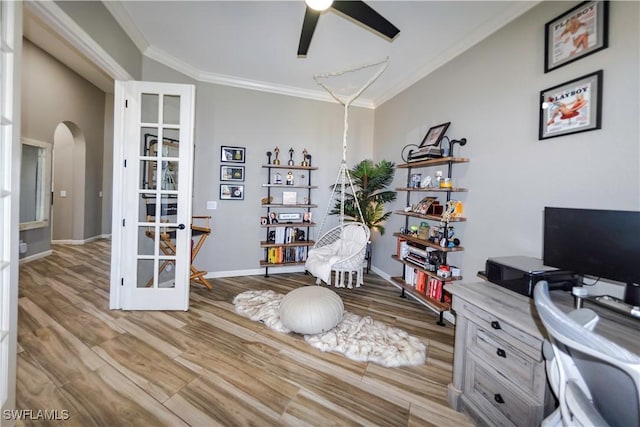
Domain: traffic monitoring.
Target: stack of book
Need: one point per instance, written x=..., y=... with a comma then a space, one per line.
x=280, y=255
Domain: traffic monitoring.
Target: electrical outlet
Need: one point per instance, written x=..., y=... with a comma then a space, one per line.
x=212, y=205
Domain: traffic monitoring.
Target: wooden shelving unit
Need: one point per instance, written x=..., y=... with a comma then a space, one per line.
x=276, y=189
x=437, y=305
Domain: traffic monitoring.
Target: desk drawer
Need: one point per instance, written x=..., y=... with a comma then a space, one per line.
x=518, y=367
x=502, y=329
x=498, y=400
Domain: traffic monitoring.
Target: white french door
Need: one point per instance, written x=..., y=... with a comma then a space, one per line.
x=10, y=34
x=151, y=244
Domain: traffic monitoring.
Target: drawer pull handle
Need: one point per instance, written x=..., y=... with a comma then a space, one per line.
x=501, y=353
x=498, y=398
x=496, y=325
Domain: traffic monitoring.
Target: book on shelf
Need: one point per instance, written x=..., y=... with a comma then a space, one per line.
x=280, y=255
x=434, y=289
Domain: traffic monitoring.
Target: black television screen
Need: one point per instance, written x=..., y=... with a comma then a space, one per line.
x=600, y=243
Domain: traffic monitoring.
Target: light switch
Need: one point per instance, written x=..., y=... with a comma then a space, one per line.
x=63, y=193
x=212, y=205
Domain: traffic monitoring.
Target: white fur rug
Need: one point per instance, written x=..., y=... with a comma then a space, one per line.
x=358, y=338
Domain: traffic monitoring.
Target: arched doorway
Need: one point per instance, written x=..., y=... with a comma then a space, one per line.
x=69, y=165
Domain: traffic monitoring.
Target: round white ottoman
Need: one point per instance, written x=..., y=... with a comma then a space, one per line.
x=311, y=310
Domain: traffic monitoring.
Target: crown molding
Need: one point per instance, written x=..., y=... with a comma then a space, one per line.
x=53, y=16
x=122, y=17
x=474, y=37
x=171, y=61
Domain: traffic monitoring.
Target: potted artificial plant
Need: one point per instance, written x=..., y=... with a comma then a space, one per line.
x=370, y=181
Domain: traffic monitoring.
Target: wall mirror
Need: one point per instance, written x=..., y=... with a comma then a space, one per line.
x=35, y=184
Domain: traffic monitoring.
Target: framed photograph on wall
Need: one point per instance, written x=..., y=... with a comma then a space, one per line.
x=231, y=173
x=231, y=192
x=232, y=154
x=571, y=107
x=579, y=32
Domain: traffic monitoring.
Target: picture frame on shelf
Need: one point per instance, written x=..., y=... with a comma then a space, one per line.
x=434, y=135
x=231, y=173
x=571, y=107
x=579, y=32
x=289, y=198
x=231, y=192
x=232, y=154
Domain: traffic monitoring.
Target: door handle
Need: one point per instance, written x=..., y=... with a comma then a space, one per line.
x=181, y=226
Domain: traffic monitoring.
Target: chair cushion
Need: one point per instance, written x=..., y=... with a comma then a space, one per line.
x=311, y=310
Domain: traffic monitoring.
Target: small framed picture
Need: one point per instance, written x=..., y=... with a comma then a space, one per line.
x=434, y=135
x=232, y=154
x=578, y=32
x=231, y=173
x=231, y=192
x=571, y=107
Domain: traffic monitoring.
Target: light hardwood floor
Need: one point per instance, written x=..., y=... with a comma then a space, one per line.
x=209, y=366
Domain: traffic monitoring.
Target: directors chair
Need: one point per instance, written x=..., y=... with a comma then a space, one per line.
x=167, y=236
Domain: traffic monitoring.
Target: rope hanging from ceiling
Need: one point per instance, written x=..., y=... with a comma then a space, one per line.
x=346, y=101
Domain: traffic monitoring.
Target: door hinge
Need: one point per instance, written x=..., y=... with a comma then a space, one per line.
x=123, y=222
x=125, y=163
x=126, y=103
x=122, y=281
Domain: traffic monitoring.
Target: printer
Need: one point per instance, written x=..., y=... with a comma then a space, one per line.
x=521, y=273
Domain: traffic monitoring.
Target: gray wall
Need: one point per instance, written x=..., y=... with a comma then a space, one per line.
x=260, y=121
x=98, y=22
x=490, y=95
x=51, y=94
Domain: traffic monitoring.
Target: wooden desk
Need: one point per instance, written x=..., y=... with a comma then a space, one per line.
x=499, y=376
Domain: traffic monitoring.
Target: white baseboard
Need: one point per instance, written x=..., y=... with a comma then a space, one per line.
x=81, y=242
x=35, y=256
x=254, y=272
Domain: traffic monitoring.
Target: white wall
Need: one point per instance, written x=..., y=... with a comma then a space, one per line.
x=490, y=94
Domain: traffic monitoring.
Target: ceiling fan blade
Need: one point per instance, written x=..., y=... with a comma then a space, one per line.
x=364, y=14
x=308, y=27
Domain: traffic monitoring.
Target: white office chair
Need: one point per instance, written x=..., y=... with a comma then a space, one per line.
x=596, y=381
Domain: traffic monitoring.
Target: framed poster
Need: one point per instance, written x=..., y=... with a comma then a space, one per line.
x=232, y=154
x=579, y=32
x=231, y=192
x=571, y=107
x=231, y=173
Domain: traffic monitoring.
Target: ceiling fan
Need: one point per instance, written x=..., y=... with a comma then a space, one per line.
x=357, y=10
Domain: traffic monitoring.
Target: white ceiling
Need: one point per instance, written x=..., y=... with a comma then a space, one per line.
x=254, y=44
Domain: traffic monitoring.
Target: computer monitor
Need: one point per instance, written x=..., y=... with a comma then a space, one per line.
x=600, y=243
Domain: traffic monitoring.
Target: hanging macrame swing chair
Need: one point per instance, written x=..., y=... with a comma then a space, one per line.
x=342, y=249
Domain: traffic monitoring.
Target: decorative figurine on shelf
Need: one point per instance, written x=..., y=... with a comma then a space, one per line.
x=304, y=158
x=308, y=157
x=290, y=162
x=289, y=178
x=276, y=151
x=438, y=178
x=268, y=157
x=426, y=182
x=277, y=178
